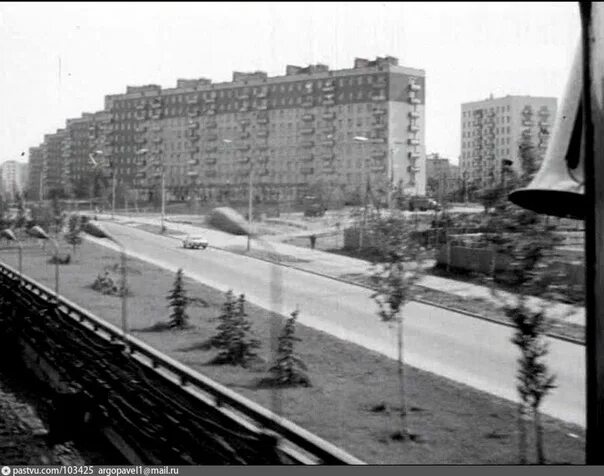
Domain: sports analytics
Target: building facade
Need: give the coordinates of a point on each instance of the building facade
(13, 178)
(348, 131)
(442, 177)
(492, 131)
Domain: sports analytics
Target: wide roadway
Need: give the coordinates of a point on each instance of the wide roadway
(462, 348)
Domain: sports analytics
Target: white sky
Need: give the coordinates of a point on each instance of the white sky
(58, 60)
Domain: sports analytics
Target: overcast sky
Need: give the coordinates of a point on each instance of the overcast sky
(58, 60)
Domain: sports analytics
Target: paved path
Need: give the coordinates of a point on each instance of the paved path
(468, 350)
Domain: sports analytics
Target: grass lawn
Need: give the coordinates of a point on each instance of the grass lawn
(456, 424)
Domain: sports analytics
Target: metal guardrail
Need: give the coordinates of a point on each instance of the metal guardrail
(299, 444)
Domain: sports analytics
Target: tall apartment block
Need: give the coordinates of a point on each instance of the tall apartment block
(13, 178)
(492, 131)
(347, 129)
(291, 131)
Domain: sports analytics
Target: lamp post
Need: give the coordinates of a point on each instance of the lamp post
(10, 235)
(96, 166)
(362, 140)
(250, 197)
(37, 232)
(95, 229)
(139, 152)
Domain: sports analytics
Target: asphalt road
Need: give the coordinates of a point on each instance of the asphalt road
(465, 349)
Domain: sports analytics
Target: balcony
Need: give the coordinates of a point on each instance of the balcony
(262, 146)
(262, 119)
(140, 128)
(414, 87)
(192, 99)
(378, 154)
(193, 150)
(261, 105)
(211, 160)
(192, 173)
(414, 115)
(140, 115)
(414, 100)
(193, 112)
(141, 175)
(193, 162)
(210, 112)
(243, 147)
(307, 143)
(328, 157)
(140, 139)
(328, 143)
(378, 168)
(156, 114)
(544, 124)
(157, 139)
(262, 93)
(307, 130)
(308, 103)
(212, 137)
(193, 125)
(379, 126)
(413, 128)
(328, 87)
(308, 117)
(307, 157)
(262, 133)
(141, 105)
(156, 102)
(244, 122)
(328, 102)
(413, 141)
(528, 123)
(413, 169)
(379, 84)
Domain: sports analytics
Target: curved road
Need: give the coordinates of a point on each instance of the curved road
(456, 346)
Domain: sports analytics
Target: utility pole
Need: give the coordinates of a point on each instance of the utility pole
(250, 200)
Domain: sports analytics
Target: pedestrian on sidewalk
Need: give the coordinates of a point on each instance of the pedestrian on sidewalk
(313, 240)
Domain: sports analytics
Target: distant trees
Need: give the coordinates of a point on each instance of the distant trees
(73, 235)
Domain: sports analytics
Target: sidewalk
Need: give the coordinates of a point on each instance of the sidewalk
(339, 266)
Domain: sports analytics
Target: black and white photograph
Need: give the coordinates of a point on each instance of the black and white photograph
(300, 233)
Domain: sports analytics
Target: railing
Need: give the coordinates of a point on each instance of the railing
(298, 444)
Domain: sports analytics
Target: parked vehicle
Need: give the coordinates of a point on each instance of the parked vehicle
(313, 206)
(423, 204)
(195, 242)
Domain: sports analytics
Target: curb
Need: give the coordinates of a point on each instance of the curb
(553, 335)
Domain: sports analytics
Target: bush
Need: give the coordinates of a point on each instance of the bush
(106, 285)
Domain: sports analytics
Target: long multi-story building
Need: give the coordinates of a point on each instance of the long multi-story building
(492, 131)
(352, 130)
(13, 178)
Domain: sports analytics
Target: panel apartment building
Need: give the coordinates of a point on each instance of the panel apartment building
(13, 178)
(493, 129)
(290, 131)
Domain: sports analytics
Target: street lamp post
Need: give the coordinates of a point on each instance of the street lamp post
(362, 140)
(250, 197)
(38, 232)
(95, 229)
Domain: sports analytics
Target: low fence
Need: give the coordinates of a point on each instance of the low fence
(156, 410)
(485, 260)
